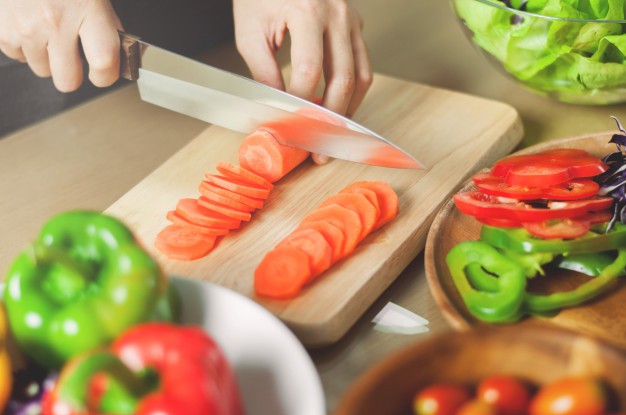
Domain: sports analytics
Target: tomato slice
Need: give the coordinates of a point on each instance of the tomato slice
(569, 190)
(478, 204)
(499, 223)
(568, 228)
(548, 168)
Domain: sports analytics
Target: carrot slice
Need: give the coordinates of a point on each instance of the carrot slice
(282, 273)
(248, 201)
(314, 245)
(346, 219)
(358, 203)
(237, 186)
(387, 199)
(190, 210)
(176, 219)
(332, 233)
(238, 172)
(183, 243)
(369, 194)
(260, 153)
(223, 209)
(216, 197)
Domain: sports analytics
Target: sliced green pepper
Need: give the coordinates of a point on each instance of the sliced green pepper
(501, 303)
(584, 292)
(84, 281)
(591, 263)
(520, 240)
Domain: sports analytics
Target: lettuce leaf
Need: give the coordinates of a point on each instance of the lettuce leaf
(563, 58)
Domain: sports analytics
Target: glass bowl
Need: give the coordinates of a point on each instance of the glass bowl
(552, 48)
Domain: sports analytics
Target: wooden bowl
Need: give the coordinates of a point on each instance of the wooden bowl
(603, 317)
(536, 354)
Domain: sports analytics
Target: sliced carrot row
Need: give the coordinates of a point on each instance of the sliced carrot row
(325, 235)
(227, 199)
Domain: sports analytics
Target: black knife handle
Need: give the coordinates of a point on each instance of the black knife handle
(130, 57)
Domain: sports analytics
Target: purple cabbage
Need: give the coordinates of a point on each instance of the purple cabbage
(613, 181)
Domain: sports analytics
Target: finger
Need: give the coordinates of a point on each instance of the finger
(101, 45)
(363, 71)
(307, 56)
(36, 54)
(13, 52)
(66, 65)
(261, 59)
(320, 158)
(338, 69)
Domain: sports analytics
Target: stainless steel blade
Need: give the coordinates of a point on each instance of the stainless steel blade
(241, 104)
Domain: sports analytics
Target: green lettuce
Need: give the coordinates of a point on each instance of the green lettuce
(573, 60)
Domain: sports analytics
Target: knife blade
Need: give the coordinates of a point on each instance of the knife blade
(235, 102)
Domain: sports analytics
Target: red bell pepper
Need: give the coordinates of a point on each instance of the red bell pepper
(151, 369)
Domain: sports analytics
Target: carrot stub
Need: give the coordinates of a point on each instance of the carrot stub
(183, 243)
(261, 154)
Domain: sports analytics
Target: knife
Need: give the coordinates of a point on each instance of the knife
(232, 101)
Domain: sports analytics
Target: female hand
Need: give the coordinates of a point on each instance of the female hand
(46, 33)
(326, 40)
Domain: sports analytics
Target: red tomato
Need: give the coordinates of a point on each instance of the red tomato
(570, 396)
(548, 167)
(440, 399)
(568, 228)
(571, 190)
(508, 395)
(499, 223)
(478, 204)
(477, 407)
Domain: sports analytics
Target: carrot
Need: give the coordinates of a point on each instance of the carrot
(183, 243)
(332, 233)
(314, 245)
(224, 209)
(216, 197)
(176, 219)
(369, 194)
(346, 219)
(213, 188)
(237, 186)
(358, 203)
(282, 273)
(238, 172)
(190, 210)
(387, 199)
(260, 153)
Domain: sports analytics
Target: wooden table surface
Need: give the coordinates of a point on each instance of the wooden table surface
(90, 156)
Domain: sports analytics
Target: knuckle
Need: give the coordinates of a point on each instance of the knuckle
(104, 61)
(341, 11)
(311, 8)
(307, 71)
(26, 30)
(366, 79)
(52, 18)
(345, 83)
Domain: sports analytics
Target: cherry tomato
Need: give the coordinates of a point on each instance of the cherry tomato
(476, 203)
(507, 394)
(548, 167)
(440, 399)
(571, 190)
(570, 396)
(477, 407)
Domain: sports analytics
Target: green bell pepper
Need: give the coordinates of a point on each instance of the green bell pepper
(84, 281)
(591, 263)
(584, 292)
(520, 240)
(499, 300)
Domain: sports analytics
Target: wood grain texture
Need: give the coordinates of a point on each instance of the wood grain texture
(537, 355)
(603, 317)
(452, 133)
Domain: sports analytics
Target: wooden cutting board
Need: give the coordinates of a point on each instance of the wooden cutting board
(453, 134)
